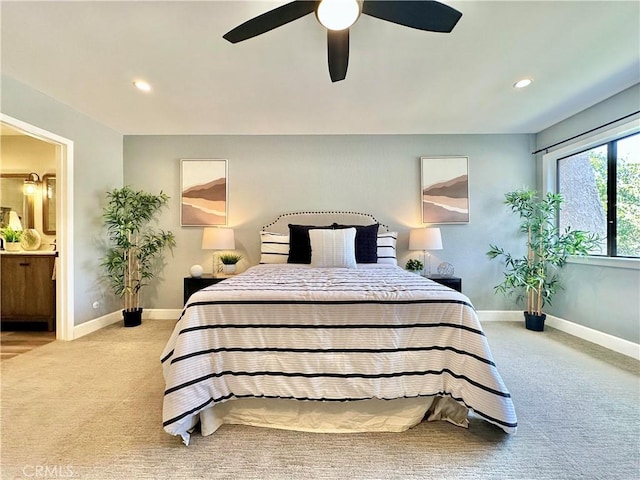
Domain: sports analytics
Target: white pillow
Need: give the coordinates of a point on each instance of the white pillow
(387, 248)
(333, 248)
(274, 247)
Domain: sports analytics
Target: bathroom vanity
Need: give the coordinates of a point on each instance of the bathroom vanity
(28, 287)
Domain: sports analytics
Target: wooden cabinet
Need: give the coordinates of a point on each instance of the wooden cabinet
(28, 288)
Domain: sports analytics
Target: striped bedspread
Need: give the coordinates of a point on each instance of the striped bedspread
(295, 332)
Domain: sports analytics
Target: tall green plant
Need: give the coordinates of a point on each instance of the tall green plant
(135, 245)
(534, 276)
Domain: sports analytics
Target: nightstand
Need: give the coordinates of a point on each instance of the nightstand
(193, 284)
(451, 282)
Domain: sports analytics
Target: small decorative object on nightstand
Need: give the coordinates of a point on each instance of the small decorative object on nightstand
(446, 269)
(193, 284)
(451, 282)
(415, 266)
(229, 261)
(196, 271)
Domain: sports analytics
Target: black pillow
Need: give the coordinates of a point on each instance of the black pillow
(300, 244)
(366, 242)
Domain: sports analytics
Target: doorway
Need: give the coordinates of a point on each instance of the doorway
(63, 220)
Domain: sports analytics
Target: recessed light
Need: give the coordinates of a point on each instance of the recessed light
(525, 82)
(142, 85)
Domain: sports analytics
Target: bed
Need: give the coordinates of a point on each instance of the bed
(320, 337)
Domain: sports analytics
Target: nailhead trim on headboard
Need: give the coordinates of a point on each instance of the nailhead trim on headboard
(290, 214)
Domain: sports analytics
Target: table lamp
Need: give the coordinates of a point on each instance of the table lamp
(425, 239)
(217, 239)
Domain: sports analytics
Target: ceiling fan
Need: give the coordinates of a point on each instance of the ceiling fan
(338, 15)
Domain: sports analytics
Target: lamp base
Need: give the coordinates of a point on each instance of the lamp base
(216, 265)
(426, 260)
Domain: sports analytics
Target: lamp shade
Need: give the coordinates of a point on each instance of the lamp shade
(425, 239)
(14, 220)
(218, 239)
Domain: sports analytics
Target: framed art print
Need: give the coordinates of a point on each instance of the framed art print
(203, 192)
(445, 189)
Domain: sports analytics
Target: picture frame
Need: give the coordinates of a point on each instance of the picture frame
(444, 192)
(204, 192)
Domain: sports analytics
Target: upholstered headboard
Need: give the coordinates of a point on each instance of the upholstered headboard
(281, 224)
(279, 244)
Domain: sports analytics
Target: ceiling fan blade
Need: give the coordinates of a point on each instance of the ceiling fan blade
(272, 19)
(421, 14)
(338, 53)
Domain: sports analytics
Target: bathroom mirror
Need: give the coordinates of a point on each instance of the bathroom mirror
(12, 198)
(49, 204)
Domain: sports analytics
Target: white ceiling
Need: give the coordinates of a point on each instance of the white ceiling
(400, 80)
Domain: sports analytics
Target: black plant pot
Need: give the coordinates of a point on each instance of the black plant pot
(132, 318)
(534, 322)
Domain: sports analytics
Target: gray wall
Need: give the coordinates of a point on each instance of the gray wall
(269, 175)
(97, 168)
(274, 174)
(603, 298)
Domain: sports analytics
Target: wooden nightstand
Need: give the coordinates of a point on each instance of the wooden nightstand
(451, 282)
(193, 284)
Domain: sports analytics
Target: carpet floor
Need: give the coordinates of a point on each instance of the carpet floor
(91, 409)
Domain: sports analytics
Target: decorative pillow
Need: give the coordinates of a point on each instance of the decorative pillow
(299, 244)
(274, 247)
(366, 242)
(333, 248)
(387, 248)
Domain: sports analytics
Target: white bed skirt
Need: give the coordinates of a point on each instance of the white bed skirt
(332, 417)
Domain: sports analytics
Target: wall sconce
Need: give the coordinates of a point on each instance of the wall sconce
(31, 183)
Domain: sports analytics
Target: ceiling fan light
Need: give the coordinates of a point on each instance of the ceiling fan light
(338, 14)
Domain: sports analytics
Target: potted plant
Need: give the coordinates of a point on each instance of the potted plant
(229, 261)
(535, 276)
(132, 259)
(414, 266)
(11, 238)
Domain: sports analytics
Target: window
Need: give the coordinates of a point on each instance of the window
(601, 189)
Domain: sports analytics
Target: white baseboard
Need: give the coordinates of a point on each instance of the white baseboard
(113, 317)
(605, 340)
(96, 324)
(625, 347)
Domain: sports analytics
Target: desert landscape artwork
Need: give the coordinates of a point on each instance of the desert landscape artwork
(445, 190)
(203, 193)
